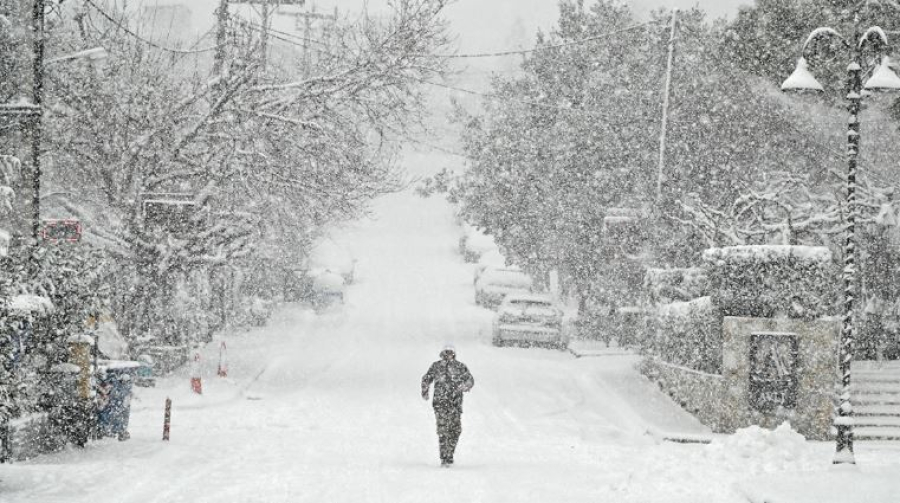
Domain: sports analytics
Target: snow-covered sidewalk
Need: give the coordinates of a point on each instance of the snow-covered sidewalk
(326, 408)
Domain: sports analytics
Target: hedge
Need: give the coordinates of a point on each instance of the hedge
(769, 281)
(662, 286)
(688, 334)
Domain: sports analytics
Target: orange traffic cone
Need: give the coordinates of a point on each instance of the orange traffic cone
(223, 360)
(196, 385)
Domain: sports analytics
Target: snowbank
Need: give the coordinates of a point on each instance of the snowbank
(844, 483)
(765, 450)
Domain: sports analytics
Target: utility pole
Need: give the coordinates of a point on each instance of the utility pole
(37, 98)
(264, 37)
(221, 37)
(665, 114)
(307, 19)
(264, 30)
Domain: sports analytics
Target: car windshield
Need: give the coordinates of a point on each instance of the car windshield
(525, 304)
(509, 279)
(532, 307)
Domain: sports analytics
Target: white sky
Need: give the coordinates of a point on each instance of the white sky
(481, 25)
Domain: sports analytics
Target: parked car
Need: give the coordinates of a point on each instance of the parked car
(529, 319)
(494, 283)
(328, 255)
(491, 258)
(258, 310)
(475, 243)
(327, 289)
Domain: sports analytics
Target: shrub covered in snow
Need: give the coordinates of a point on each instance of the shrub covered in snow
(779, 449)
(688, 334)
(662, 286)
(769, 281)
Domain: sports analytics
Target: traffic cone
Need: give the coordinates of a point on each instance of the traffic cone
(223, 361)
(196, 385)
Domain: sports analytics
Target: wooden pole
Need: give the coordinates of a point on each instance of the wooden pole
(167, 420)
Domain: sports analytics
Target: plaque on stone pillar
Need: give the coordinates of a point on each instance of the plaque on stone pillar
(773, 371)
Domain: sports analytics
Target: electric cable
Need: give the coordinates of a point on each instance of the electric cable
(538, 48)
(144, 40)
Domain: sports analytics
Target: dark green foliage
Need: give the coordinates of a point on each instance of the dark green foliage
(768, 281)
(687, 334)
(766, 39)
(662, 286)
(75, 279)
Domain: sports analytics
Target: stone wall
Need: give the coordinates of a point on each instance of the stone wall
(697, 392)
(815, 368)
(725, 402)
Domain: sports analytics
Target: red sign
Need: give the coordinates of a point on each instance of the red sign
(61, 230)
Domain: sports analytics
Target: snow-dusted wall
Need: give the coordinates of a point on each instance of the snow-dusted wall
(697, 392)
(815, 367)
(726, 402)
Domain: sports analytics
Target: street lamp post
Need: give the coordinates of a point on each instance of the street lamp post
(881, 79)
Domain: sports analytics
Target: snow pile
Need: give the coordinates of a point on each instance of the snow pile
(760, 450)
(769, 252)
(28, 303)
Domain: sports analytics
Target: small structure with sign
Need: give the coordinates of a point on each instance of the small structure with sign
(61, 231)
(776, 370)
(773, 371)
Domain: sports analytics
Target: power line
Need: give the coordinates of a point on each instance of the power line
(297, 40)
(142, 39)
(538, 48)
(498, 97)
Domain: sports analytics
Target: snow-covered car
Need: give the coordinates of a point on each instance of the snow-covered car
(327, 289)
(475, 243)
(495, 283)
(332, 257)
(491, 258)
(258, 310)
(529, 319)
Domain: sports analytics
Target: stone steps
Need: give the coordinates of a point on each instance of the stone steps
(876, 401)
(865, 409)
(876, 433)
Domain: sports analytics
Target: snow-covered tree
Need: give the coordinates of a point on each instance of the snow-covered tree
(266, 156)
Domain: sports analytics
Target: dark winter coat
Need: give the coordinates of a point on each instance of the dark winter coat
(451, 378)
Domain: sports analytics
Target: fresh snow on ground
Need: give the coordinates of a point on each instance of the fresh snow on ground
(325, 408)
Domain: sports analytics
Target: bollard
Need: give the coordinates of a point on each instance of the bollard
(80, 355)
(196, 385)
(223, 361)
(168, 419)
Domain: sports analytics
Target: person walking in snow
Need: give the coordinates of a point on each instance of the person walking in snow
(451, 379)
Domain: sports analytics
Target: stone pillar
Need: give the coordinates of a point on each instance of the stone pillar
(812, 366)
(80, 355)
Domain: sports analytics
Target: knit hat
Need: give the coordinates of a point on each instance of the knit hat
(448, 348)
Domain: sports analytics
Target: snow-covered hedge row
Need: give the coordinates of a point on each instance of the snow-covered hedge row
(688, 334)
(662, 286)
(769, 281)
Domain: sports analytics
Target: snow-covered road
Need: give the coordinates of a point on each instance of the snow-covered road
(326, 408)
